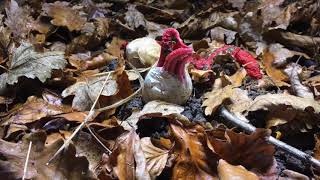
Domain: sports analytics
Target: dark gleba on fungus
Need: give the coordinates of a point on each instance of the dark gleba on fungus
(168, 80)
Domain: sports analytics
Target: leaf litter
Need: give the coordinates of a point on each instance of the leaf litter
(260, 60)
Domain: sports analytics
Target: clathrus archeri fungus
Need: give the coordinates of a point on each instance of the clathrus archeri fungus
(168, 80)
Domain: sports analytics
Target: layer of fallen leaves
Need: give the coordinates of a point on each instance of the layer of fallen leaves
(55, 57)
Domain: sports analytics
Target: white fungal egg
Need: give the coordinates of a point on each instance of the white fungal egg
(160, 85)
(143, 52)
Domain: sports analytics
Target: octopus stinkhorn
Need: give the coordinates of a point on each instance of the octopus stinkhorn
(168, 80)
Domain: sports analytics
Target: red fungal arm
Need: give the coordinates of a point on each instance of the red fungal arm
(170, 41)
(241, 56)
(175, 62)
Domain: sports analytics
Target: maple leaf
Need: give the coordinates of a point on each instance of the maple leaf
(18, 19)
(29, 63)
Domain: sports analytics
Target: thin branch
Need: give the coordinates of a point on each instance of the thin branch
(25, 169)
(249, 128)
(88, 117)
(97, 139)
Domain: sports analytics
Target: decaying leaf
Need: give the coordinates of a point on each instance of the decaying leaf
(127, 159)
(27, 62)
(236, 79)
(194, 158)
(67, 166)
(227, 171)
(301, 113)
(276, 53)
(251, 151)
(18, 19)
(200, 75)
(235, 99)
(135, 19)
(215, 98)
(87, 90)
(63, 15)
(160, 108)
(156, 157)
(34, 109)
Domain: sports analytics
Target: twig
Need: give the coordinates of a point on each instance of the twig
(90, 114)
(249, 128)
(25, 169)
(92, 111)
(97, 139)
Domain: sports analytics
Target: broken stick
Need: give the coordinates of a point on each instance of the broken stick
(250, 128)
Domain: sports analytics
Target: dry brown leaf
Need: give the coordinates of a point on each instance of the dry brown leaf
(194, 158)
(86, 89)
(200, 75)
(115, 47)
(200, 22)
(161, 108)
(159, 15)
(127, 159)
(135, 19)
(215, 98)
(34, 109)
(251, 151)
(236, 79)
(300, 113)
(63, 15)
(84, 61)
(67, 166)
(18, 19)
(292, 175)
(222, 35)
(314, 84)
(15, 130)
(235, 99)
(156, 157)
(227, 171)
(276, 53)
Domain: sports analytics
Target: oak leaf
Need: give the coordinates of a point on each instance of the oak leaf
(155, 156)
(63, 15)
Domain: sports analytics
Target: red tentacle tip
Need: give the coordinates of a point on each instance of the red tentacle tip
(175, 62)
